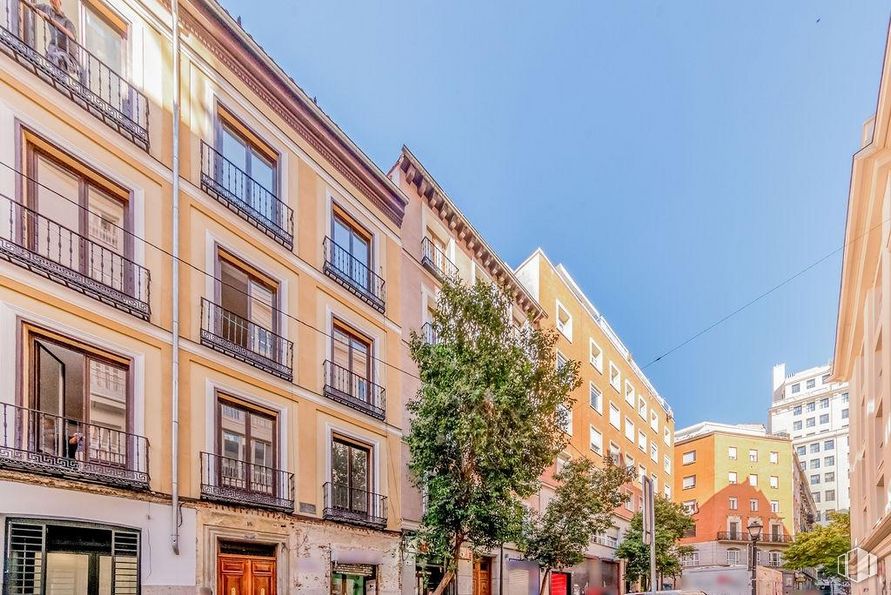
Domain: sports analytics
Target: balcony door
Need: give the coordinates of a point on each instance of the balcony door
(76, 222)
(352, 251)
(249, 301)
(351, 354)
(80, 404)
(245, 154)
(350, 476)
(247, 445)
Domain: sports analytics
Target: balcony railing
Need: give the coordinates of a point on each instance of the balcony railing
(436, 261)
(246, 341)
(353, 274)
(29, 35)
(239, 192)
(744, 536)
(350, 505)
(354, 390)
(43, 246)
(232, 481)
(48, 444)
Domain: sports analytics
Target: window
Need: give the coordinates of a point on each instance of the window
(351, 254)
(815, 479)
(246, 438)
(844, 414)
(810, 422)
(565, 414)
(59, 557)
(615, 378)
(629, 393)
(810, 407)
(825, 379)
(688, 458)
(642, 406)
(564, 321)
(814, 448)
(642, 440)
(811, 383)
(774, 506)
(732, 503)
(802, 450)
(817, 496)
(816, 512)
(829, 477)
(774, 457)
(666, 463)
(629, 429)
(796, 425)
(774, 558)
(561, 360)
(796, 410)
(774, 481)
(666, 436)
(731, 477)
(243, 152)
(351, 354)
(249, 300)
(829, 461)
(824, 403)
(815, 463)
(654, 420)
(732, 556)
(629, 461)
(753, 505)
(350, 476)
(667, 491)
(614, 416)
(615, 453)
(830, 495)
(829, 445)
(654, 452)
(824, 419)
(796, 388)
(595, 355)
(595, 398)
(753, 456)
(731, 453)
(753, 479)
(690, 559)
(689, 482)
(844, 397)
(596, 440)
(689, 506)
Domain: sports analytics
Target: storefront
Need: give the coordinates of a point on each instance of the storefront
(353, 579)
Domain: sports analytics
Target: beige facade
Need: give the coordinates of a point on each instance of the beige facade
(864, 318)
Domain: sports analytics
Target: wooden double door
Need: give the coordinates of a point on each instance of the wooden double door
(245, 575)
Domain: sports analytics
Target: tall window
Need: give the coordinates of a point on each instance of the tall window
(249, 299)
(351, 353)
(350, 475)
(244, 152)
(595, 398)
(246, 439)
(81, 399)
(352, 250)
(732, 556)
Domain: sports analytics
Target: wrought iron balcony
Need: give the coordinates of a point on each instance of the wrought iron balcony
(246, 341)
(240, 193)
(768, 538)
(43, 246)
(429, 333)
(354, 390)
(48, 444)
(359, 507)
(232, 481)
(353, 274)
(436, 261)
(733, 536)
(29, 36)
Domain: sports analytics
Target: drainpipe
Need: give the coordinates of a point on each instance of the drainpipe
(174, 365)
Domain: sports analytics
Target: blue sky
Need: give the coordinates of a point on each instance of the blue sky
(679, 158)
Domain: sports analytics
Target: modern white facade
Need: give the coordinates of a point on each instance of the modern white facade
(813, 411)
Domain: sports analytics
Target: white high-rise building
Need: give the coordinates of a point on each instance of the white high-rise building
(813, 410)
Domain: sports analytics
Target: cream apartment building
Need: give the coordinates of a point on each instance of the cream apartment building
(247, 436)
(864, 318)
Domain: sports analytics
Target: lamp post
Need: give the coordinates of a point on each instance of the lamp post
(755, 534)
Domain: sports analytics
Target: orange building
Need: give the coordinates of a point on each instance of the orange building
(729, 476)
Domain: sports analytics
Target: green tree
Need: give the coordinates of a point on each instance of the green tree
(486, 421)
(672, 522)
(821, 547)
(582, 507)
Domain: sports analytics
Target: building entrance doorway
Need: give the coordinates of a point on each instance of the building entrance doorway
(245, 575)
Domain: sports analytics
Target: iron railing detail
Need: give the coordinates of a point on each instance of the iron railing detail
(354, 390)
(769, 538)
(246, 197)
(39, 244)
(228, 480)
(351, 505)
(246, 341)
(40, 442)
(29, 35)
(353, 274)
(436, 261)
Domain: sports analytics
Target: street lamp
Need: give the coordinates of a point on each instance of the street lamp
(755, 534)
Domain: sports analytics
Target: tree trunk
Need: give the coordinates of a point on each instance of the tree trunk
(544, 580)
(446, 578)
(450, 573)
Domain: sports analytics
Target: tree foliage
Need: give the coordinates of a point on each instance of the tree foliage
(582, 507)
(672, 522)
(821, 547)
(486, 421)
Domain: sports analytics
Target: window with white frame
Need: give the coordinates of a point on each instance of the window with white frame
(629, 461)
(688, 458)
(690, 559)
(774, 506)
(689, 506)
(654, 452)
(615, 453)
(615, 378)
(642, 440)
(774, 457)
(753, 479)
(732, 503)
(774, 481)
(561, 360)
(731, 477)
(629, 429)
(753, 455)
(564, 321)
(666, 436)
(689, 482)
(666, 463)
(753, 505)
(733, 556)
(731, 453)
(596, 439)
(629, 393)
(595, 398)
(615, 417)
(654, 420)
(642, 406)
(667, 491)
(595, 355)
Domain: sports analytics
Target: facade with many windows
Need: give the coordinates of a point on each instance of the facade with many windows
(284, 452)
(813, 410)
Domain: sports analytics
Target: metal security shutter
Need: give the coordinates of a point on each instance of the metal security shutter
(24, 558)
(125, 549)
